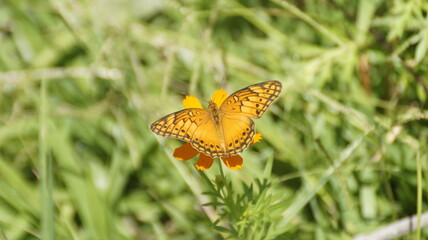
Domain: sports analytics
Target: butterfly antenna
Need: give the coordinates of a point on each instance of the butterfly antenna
(185, 93)
(203, 100)
(223, 67)
(222, 82)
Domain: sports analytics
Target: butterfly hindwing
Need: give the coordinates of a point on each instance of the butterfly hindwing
(180, 125)
(206, 140)
(238, 133)
(253, 100)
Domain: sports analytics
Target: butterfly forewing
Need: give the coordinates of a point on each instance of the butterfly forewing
(253, 100)
(180, 125)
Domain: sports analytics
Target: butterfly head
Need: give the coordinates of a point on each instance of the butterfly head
(212, 105)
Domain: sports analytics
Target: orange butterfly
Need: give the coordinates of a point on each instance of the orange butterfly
(224, 130)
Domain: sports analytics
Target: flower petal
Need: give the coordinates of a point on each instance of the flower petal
(185, 152)
(256, 138)
(191, 102)
(204, 162)
(219, 96)
(233, 162)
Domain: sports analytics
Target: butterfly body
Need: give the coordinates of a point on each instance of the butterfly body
(217, 116)
(225, 130)
(215, 111)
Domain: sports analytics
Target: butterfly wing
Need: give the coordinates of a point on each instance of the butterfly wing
(253, 100)
(192, 125)
(182, 124)
(238, 133)
(239, 108)
(207, 140)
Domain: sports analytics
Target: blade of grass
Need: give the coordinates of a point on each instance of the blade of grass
(419, 194)
(46, 178)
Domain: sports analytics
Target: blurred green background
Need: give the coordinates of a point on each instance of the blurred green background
(344, 149)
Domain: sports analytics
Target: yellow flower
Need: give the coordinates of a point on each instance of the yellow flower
(204, 162)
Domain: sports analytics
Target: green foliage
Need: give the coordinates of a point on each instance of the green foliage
(251, 214)
(344, 147)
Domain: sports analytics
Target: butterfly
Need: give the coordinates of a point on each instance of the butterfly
(225, 130)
